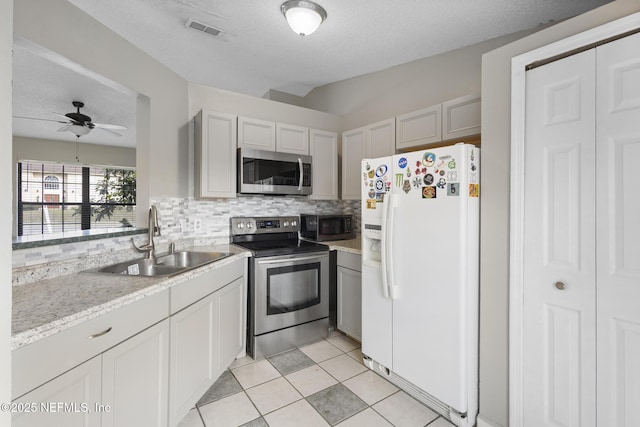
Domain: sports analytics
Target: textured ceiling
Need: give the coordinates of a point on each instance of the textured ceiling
(257, 51)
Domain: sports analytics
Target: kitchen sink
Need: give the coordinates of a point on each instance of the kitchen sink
(164, 265)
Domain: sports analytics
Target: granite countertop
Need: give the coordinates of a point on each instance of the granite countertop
(353, 246)
(43, 308)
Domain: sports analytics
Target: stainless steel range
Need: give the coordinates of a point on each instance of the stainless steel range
(288, 300)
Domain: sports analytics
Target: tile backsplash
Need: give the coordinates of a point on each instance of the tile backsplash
(186, 221)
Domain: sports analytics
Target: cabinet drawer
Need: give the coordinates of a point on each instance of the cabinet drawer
(37, 363)
(190, 291)
(349, 260)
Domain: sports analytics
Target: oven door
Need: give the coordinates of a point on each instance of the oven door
(290, 290)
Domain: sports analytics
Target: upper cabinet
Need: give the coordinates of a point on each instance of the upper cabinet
(215, 155)
(451, 120)
(381, 138)
(461, 117)
(323, 147)
(271, 136)
(292, 139)
(375, 140)
(419, 127)
(256, 134)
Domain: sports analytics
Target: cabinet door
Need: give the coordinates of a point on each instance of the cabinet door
(135, 379)
(419, 127)
(215, 155)
(353, 151)
(191, 370)
(78, 388)
(461, 117)
(323, 147)
(381, 139)
(229, 324)
(350, 302)
(256, 134)
(292, 139)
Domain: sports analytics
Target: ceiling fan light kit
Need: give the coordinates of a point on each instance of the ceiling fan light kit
(304, 17)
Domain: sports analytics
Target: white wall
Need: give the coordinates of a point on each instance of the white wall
(163, 146)
(496, 140)
(404, 88)
(65, 152)
(6, 46)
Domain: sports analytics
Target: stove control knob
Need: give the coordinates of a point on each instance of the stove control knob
(250, 225)
(294, 223)
(241, 225)
(286, 223)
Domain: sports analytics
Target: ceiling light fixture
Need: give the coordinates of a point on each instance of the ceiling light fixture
(304, 17)
(78, 130)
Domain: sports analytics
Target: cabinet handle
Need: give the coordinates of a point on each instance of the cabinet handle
(561, 286)
(99, 334)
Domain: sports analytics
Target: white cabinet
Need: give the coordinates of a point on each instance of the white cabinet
(461, 117)
(349, 299)
(215, 155)
(451, 120)
(323, 147)
(125, 386)
(419, 127)
(135, 380)
(206, 336)
(375, 140)
(292, 139)
(80, 385)
(256, 134)
(381, 139)
(353, 151)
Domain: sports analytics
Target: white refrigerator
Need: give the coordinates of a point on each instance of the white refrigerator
(420, 279)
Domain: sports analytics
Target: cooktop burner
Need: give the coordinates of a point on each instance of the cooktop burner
(271, 236)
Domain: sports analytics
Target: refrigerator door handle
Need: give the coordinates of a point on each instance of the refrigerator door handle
(383, 246)
(392, 288)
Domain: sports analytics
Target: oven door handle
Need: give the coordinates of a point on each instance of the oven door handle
(293, 258)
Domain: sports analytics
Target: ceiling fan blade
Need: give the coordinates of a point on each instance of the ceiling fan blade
(36, 118)
(108, 130)
(108, 126)
(61, 115)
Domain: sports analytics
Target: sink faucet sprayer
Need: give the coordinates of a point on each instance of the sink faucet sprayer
(154, 230)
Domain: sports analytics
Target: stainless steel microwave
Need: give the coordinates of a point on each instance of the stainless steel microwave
(326, 227)
(268, 172)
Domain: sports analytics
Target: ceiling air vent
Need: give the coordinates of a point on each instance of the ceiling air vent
(202, 27)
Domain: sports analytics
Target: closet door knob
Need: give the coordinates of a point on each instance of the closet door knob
(561, 286)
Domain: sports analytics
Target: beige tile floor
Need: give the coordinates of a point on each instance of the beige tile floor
(322, 384)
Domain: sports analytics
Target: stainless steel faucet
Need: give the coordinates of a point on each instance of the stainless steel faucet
(154, 230)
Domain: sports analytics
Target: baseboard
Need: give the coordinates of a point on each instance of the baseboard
(483, 422)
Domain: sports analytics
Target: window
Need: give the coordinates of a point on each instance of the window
(54, 198)
(51, 182)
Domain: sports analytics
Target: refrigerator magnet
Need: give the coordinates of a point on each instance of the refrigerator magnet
(428, 159)
(453, 189)
(474, 190)
(428, 192)
(402, 162)
(381, 170)
(428, 179)
(406, 187)
(371, 203)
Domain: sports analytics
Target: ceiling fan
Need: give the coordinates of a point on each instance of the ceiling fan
(80, 124)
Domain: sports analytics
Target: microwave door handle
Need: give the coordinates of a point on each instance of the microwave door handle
(300, 182)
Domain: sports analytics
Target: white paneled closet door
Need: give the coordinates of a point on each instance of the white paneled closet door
(618, 213)
(559, 343)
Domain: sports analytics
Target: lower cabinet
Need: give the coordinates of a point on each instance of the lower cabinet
(349, 288)
(135, 384)
(205, 339)
(77, 387)
(125, 386)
